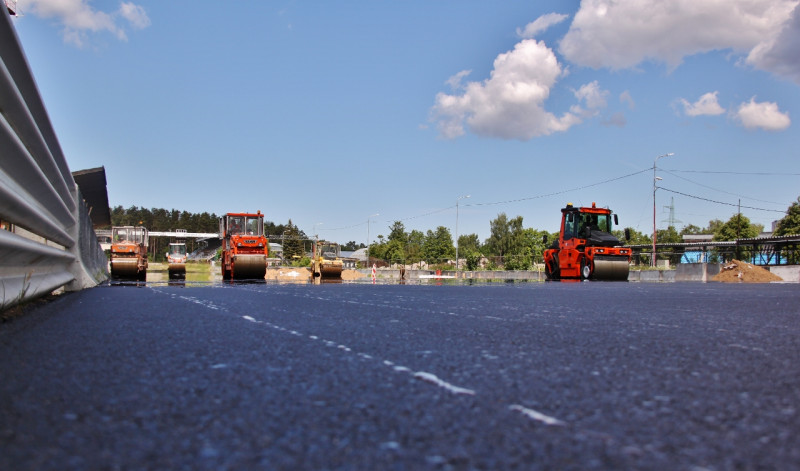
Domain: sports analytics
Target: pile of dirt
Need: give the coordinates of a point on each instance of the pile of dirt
(303, 275)
(743, 272)
(349, 275)
(288, 274)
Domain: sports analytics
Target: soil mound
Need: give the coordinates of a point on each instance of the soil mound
(352, 275)
(303, 275)
(743, 272)
(289, 274)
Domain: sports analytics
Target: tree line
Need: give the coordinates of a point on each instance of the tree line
(168, 220)
(510, 245)
(515, 247)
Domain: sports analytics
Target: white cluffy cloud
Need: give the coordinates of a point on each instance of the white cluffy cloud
(79, 18)
(510, 104)
(540, 24)
(620, 34)
(707, 105)
(764, 115)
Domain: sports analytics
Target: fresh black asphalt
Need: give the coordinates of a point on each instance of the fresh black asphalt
(499, 376)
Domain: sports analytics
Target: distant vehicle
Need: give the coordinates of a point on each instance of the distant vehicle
(176, 257)
(129, 252)
(326, 263)
(244, 246)
(585, 248)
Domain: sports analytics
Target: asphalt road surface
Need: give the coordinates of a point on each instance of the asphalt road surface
(371, 377)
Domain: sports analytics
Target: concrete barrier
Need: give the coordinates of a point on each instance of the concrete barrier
(787, 272)
(691, 272)
(696, 271)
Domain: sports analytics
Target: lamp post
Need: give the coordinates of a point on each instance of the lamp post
(374, 215)
(655, 178)
(457, 200)
(316, 233)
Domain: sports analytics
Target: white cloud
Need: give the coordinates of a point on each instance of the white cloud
(594, 98)
(455, 80)
(510, 104)
(135, 15)
(79, 18)
(540, 24)
(707, 105)
(625, 97)
(620, 34)
(764, 115)
(781, 55)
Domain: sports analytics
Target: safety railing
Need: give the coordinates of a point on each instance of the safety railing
(46, 239)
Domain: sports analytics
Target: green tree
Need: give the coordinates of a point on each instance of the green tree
(293, 249)
(414, 246)
(353, 246)
(506, 236)
(790, 224)
(668, 236)
(397, 232)
(713, 226)
(438, 246)
(473, 259)
(499, 236)
(737, 227)
(395, 252)
(691, 229)
(468, 243)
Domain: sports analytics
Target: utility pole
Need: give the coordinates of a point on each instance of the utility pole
(655, 178)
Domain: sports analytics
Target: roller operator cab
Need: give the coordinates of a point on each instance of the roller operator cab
(586, 248)
(129, 252)
(176, 257)
(244, 246)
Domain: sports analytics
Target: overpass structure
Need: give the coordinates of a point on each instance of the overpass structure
(771, 250)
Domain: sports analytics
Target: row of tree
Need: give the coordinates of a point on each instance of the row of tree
(509, 244)
(517, 248)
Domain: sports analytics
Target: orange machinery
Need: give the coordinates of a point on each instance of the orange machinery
(129, 252)
(585, 248)
(244, 246)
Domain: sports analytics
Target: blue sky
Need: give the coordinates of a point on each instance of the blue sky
(327, 113)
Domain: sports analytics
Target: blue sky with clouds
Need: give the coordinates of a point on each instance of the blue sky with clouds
(327, 113)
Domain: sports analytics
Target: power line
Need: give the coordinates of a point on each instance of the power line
(719, 202)
(562, 191)
(721, 191)
(736, 173)
(502, 202)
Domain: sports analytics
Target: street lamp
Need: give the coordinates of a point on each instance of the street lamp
(457, 200)
(374, 215)
(655, 178)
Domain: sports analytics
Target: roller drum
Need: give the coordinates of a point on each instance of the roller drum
(611, 269)
(177, 268)
(125, 267)
(329, 269)
(249, 266)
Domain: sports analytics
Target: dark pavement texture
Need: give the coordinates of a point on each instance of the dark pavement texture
(357, 376)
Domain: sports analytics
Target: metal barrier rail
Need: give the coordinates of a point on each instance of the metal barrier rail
(56, 245)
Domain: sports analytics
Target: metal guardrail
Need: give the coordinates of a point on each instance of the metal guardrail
(52, 244)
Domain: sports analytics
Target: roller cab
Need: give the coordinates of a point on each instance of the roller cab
(176, 258)
(129, 252)
(244, 246)
(586, 248)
